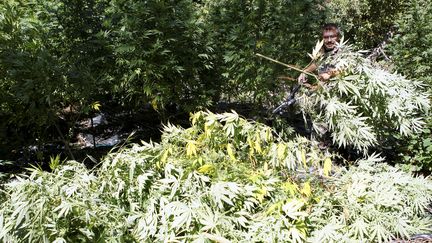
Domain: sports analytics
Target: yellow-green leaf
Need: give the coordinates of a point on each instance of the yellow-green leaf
(191, 148)
(259, 44)
(274, 207)
(206, 169)
(230, 152)
(269, 135)
(255, 177)
(154, 104)
(327, 166)
(291, 188)
(195, 117)
(261, 193)
(164, 156)
(257, 144)
(251, 153)
(306, 190)
(265, 166)
(207, 130)
(303, 157)
(281, 151)
(251, 143)
(96, 106)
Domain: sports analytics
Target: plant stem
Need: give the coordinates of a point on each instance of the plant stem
(288, 66)
(66, 143)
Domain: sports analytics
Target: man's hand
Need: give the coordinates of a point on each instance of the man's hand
(303, 81)
(302, 78)
(324, 76)
(328, 75)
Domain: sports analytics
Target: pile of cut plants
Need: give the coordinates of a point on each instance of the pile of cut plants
(224, 179)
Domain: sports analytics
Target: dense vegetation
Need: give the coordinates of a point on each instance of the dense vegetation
(411, 52)
(58, 54)
(224, 178)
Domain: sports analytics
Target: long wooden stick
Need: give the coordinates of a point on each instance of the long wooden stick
(288, 66)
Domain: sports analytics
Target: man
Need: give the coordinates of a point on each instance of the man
(331, 37)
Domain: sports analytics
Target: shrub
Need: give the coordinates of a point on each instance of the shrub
(365, 22)
(411, 52)
(417, 150)
(411, 48)
(52, 55)
(29, 84)
(239, 29)
(161, 54)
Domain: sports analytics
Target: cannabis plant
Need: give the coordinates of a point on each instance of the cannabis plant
(223, 179)
(364, 102)
(373, 202)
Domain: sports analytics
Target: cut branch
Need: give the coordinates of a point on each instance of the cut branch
(288, 66)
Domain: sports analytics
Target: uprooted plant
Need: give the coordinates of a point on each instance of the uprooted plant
(223, 179)
(364, 102)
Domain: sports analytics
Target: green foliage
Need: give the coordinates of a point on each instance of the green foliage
(79, 39)
(52, 55)
(161, 53)
(28, 80)
(411, 52)
(239, 29)
(223, 179)
(365, 22)
(58, 54)
(373, 202)
(411, 48)
(417, 150)
(365, 103)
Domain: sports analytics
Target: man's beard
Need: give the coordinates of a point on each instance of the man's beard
(326, 49)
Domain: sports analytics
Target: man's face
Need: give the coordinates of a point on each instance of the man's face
(330, 39)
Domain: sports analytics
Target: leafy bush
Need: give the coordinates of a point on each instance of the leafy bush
(161, 54)
(222, 179)
(52, 55)
(411, 49)
(411, 53)
(28, 82)
(239, 29)
(417, 150)
(365, 103)
(61, 55)
(365, 22)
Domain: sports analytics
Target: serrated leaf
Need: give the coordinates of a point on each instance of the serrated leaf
(164, 156)
(281, 151)
(327, 166)
(306, 190)
(303, 157)
(291, 188)
(96, 106)
(257, 144)
(230, 152)
(206, 169)
(191, 149)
